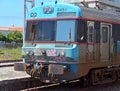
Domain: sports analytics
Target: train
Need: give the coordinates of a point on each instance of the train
(66, 42)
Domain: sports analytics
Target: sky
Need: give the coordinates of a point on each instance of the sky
(12, 12)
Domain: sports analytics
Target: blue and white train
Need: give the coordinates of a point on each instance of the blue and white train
(65, 42)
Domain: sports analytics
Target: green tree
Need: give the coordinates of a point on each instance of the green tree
(15, 36)
(10, 37)
(2, 37)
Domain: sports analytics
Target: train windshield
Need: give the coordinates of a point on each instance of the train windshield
(60, 30)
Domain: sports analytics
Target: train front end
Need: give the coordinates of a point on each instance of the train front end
(50, 50)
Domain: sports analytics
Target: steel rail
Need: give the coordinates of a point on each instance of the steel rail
(8, 63)
(41, 87)
(5, 61)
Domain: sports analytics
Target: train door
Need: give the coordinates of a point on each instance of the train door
(106, 34)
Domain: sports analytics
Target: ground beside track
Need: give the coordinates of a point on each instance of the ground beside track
(11, 80)
(9, 73)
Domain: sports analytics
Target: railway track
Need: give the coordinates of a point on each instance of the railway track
(7, 63)
(53, 85)
(18, 83)
(76, 87)
(41, 87)
(71, 86)
(30, 84)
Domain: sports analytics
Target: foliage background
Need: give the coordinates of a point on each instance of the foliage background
(15, 36)
(8, 48)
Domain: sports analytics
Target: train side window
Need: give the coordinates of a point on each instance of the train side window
(104, 34)
(81, 31)
(90, 31)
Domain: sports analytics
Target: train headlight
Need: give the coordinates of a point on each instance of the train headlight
(27, 51)
(62, 53)
(45, 9)
(48, 9)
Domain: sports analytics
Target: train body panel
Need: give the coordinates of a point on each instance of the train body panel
(57, 10)
(100, 15)
(66, 41)
(71, 51)
(62, 55)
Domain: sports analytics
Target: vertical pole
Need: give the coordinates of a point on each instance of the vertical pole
(24, 21)
(33, 3)
(25, 10)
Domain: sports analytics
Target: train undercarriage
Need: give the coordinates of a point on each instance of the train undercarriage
(94, 76)
(51, 73)
(101, 76)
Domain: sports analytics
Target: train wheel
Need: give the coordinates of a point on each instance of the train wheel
(96, 77)
(105, 75)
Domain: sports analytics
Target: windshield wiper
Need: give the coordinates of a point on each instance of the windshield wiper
(33, 30)
(69, 37)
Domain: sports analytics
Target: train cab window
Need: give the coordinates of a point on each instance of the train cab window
(37, 31)
(90, 31)
(66, 30)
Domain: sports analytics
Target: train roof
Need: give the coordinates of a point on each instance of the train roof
(106, 15)
(84, 12)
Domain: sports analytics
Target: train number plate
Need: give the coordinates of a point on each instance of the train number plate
(56, 69)
(51, 52)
